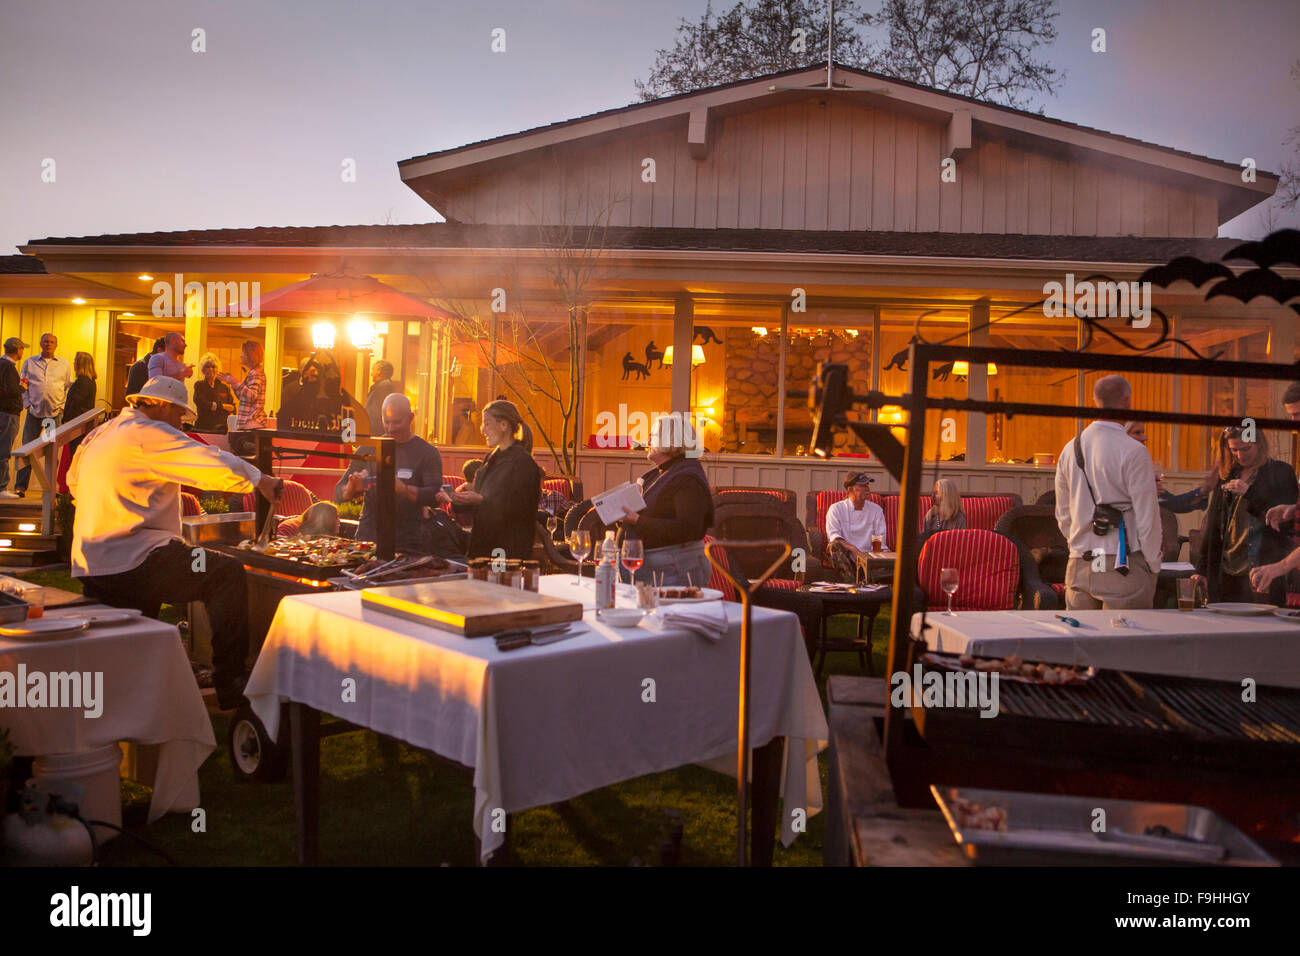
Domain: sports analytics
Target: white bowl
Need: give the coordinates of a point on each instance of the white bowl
(620, 616)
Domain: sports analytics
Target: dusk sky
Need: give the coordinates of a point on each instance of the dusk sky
(148, 135)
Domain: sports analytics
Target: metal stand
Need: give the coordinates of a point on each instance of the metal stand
(385, 486)
(742, 731)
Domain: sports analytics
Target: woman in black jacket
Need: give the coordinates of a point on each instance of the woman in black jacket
(81, 395)
(1237, 537)
(506, 488)
(678, 508)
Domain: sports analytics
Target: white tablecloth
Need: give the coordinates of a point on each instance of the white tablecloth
(1188, 643)
(545, 724)
(149, 696)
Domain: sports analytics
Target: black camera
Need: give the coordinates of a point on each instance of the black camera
(1106, 518)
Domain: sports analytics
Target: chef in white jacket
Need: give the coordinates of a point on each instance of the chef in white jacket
(127, 547)
(852, 523)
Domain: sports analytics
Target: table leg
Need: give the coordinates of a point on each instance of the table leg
(304, 727)
(765, 795)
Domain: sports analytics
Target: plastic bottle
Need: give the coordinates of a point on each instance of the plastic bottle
(605, 572)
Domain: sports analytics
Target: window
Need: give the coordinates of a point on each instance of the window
(629, 374)
(826, 335)
(945, 429)
(1023, 439)
(1236, 340)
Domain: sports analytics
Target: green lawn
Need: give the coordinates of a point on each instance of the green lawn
(384, 803)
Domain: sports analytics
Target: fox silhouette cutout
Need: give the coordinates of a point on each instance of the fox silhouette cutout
(652, 353)
(632, 365)
(899, 361)
(705, 335)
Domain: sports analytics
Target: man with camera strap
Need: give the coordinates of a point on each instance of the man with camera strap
(1107, 509)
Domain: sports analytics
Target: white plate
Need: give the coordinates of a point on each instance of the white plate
(620, 616)
(1287, 614)
(43, 628)
(99, 617)
(1241, 609)
(706, 594)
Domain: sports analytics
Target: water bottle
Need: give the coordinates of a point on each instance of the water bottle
(605, 572)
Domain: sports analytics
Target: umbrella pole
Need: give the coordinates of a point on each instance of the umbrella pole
(744, 757)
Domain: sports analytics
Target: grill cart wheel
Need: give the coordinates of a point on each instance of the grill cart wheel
(253, 754)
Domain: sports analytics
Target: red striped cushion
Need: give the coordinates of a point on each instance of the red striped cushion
(988, 570)
(1292, 600)
(1059, 588)
(295, 500)
(719, 581)
(190, 507)
(891, 518)
(289, 527)
(782, 584)
(985, 512)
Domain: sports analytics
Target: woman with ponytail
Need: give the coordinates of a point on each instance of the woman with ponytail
(506, 488)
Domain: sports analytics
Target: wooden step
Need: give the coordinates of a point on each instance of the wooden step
(27, 542)
(21, 524)
(27, 557)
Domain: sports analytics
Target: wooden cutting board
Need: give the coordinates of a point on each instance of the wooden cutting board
(469, 607)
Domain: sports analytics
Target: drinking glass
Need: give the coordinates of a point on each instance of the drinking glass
(580, 545)
(633, 557)
(551, 524)
(948, 582)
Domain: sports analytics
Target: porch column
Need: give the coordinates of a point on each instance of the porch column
(196, 337)
(272, 357)
(683, 337)
(977, 386)
(426, 404)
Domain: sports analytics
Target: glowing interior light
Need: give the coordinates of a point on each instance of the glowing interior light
(5, 543)
(322, 335)
(961, 368)
(27, 526)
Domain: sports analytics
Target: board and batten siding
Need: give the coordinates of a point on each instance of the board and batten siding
(839, 166)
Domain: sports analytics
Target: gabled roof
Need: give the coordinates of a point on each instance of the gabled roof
(418, 171)
(682, 98)
(445, 235)
(21, 265)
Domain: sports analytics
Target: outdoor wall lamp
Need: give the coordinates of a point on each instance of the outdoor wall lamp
(362, 333)
(322, 335)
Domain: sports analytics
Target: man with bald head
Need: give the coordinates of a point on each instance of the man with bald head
(1112, 566)
(419, 478)
(171, 360)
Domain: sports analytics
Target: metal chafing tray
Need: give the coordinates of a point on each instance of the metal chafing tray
(1052, 830)
(219, 529)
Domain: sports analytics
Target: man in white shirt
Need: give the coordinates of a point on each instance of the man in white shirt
(1119, 472)
(171, 360)
(127, 547)
(852, 523)
(47, 379)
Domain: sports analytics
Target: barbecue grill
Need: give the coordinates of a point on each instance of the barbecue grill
(1158, 718)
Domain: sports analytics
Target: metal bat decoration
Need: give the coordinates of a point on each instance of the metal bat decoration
(1281, 247)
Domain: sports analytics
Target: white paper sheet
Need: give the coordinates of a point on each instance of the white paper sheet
(609, 504)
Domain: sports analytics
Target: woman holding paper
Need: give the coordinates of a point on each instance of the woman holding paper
(678, 508)
(506, 488)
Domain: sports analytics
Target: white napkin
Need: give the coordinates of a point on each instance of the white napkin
(708, 619)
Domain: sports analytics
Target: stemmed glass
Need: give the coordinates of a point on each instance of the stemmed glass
(551, 524)
(633, 557)
(580, 545)
(948, 583)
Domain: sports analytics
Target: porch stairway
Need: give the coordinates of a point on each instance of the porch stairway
(22, 545)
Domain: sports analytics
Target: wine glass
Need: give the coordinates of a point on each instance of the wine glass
(948, 582)
(580, 545)
(633, 557)
(551, 524)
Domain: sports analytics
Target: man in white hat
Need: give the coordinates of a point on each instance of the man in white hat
(127, 547)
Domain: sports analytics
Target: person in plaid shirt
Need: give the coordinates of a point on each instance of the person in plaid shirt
(251, 393)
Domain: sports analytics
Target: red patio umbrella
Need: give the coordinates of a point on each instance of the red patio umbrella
(343, 293)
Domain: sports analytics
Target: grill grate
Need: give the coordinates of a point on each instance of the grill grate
(1210, 709)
